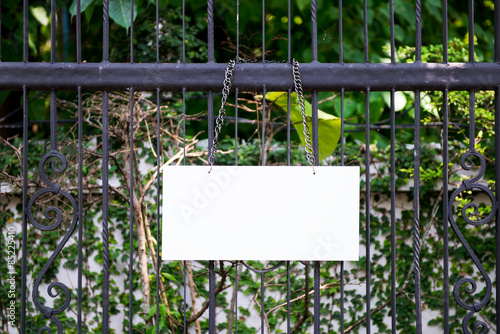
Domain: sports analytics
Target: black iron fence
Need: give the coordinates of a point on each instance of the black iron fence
(335, 76)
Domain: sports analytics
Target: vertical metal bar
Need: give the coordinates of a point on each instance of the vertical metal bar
(105, 187)
(24, 239)
(158, 194)
(341, 35)
(237, 31)
(236, 99)
(393, 42)
(314, 30)
(365, 28)
(264, 125)
(25, 37)
(289, 26)
(416, 214)
(289, 31)
(446, 295)
(0, 30)
(25, 173)
(157, 32)
(314, 122)
(497, 187)
(210, 101)
(78, 33)
(315, 142)
(472, 125)
(105, 31)
(53, 121)
(418, 30)
(183, 31)
(236, 300)
(184, 123)
(393, 213)
(471, 30)
(211, 297)
(262, 302)
(236, 127)
(105, 232)
(52, 31)
(131, 218)
(80, 205)
(131, 31)
(342, 282)
(288, 296)
(342, 297)
(445, 31)
(367, 211)
(263, 32)
(210, 107)
(210, 17)
(158, 154)
(184, 277)
(342, 126)
(288, 127)
(497, 38)
(317, 295)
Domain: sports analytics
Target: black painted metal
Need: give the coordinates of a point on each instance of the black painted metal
(211, 297)
(80, 211)
(317, 299)
(105, 213)
(446, 273)
(367, 213)
(467, 163)
(158, 205)
(24, 240)
(54, 214)
(276, 76)
(393, 214)
(131, 216)
(264, 77)
(416, 214)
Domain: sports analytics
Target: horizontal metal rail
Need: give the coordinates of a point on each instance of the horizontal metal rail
(276, 76)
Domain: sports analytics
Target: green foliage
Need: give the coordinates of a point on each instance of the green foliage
(41, 244)
(328, 125)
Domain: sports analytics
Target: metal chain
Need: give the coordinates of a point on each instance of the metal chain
(297, 81)
(228, 79)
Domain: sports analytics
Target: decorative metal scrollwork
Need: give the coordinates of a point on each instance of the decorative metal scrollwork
(52, 213)
(467, 185)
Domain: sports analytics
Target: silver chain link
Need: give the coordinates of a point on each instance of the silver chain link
(228, 79)
(297, 82)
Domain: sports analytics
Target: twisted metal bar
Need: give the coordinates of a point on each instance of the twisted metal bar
(52, 213)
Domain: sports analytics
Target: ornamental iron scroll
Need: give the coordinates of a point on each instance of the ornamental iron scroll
(468, 185)
(52, 213)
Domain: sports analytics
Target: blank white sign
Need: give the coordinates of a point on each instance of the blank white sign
(260, 213)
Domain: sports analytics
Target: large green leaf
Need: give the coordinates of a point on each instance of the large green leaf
(328, 125)
(119, 11)
(83, 5)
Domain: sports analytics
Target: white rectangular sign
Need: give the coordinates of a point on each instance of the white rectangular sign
(260, 213)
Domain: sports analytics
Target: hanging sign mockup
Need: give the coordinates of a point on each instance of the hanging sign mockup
(260, 213)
